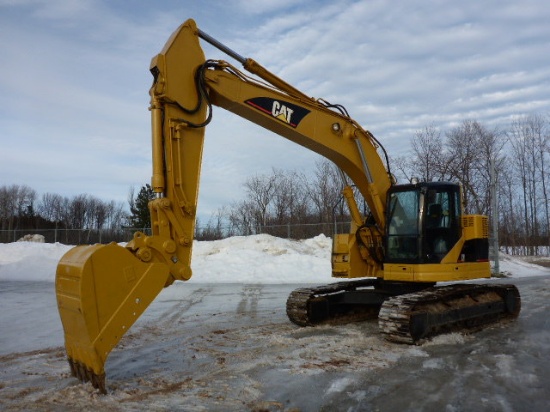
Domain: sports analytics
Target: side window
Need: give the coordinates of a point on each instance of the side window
(440, 210)
(442, 224)
(458, 207)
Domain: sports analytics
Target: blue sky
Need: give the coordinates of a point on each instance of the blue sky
(74, 80)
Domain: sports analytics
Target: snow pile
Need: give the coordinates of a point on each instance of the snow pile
(30, 260)
(262, 259)
(241, 259)
(33, 238)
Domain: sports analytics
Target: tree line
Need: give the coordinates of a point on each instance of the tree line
(281, 198)
(465, 153)
(22, 208)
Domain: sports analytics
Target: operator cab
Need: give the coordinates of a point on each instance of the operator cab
(423, 222)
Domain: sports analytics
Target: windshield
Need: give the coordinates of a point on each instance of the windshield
(404, 207)
(403, 221)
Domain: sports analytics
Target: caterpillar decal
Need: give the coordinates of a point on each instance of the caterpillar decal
(286, 112)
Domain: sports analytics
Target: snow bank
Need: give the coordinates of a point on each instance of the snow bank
(30, 260)
(241, 259)
(262, 259)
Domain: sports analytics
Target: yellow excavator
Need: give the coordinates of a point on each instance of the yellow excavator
(412, 237)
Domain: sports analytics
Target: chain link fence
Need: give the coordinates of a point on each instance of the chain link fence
(125, 234)
(303, 231)
(72, 236)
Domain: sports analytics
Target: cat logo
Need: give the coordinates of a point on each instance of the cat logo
(285, 112)
(281, 112)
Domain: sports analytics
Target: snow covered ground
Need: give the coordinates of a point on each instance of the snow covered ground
(222, 342)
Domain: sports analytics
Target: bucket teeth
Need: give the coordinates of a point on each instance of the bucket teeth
(98, 382)
(73, 367)
(84, 374)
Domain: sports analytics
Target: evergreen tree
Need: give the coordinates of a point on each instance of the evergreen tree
(140, 217)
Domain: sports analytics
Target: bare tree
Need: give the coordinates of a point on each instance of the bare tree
(325, 190)
(16, 201)
(5, 209)
(290, 202)
(529, 139)
(401, 167)
(540, 132)
(214, 229)
(282, 195)
(116, 215)
(78, 206)
(471, 147)
(428, 160)
(259, 191)
(242, 217)
(50, 207)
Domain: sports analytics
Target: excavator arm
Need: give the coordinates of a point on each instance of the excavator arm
(103, 289)
(184, 89)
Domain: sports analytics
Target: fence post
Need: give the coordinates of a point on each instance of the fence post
(494, 216)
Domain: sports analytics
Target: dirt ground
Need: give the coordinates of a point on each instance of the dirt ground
(231, 347)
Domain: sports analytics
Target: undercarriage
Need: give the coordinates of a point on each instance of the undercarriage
(407, 312)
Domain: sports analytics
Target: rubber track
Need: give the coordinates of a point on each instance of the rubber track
(297, 304)
(395, 315)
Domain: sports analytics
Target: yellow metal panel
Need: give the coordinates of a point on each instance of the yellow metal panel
(347, 261)
(475, 227)
(436, 272)
(340, 256)
(398, 272)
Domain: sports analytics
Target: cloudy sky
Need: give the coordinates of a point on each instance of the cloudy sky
(74, 80)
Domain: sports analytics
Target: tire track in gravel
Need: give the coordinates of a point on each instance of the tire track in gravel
(59, 351)
(173, 312)
(250, 295)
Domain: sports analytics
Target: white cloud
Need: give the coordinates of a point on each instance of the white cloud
(65, 10)
(266, 6)
(74, 80)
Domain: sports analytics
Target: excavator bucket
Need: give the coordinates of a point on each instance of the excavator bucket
(101, 291)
